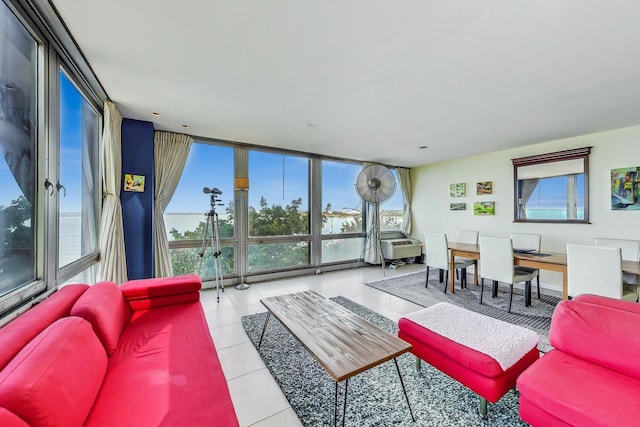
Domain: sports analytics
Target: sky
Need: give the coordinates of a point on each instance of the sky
(212, 166)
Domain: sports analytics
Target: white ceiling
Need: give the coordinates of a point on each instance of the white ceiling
(368, 79)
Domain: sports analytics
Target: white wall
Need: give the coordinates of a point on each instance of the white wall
(611, 150)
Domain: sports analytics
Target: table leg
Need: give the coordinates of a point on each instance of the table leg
(335, 407)
(344, 407)
(475, 272)
(452, 271)
(403, 389)
(264, 327)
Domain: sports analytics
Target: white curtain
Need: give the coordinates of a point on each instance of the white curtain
(404, 176)
(113, 263)
(89, 217)
(170, 152)
(371, 253)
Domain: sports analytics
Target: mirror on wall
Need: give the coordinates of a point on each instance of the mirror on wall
(552, 187)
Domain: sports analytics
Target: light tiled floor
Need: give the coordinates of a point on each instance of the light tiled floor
(256, 396)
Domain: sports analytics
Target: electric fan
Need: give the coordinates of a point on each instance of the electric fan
(375, 184)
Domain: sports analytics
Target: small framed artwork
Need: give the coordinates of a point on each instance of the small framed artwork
(485, 187)
(458, 206)
(133, 183)
(458, 190)
(484, 208)
(625, 189)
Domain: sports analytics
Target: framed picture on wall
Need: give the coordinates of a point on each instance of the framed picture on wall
(458, 206)
(458, 190)
(484, 208)
(133, 182)
(625, 189)
(485, 187)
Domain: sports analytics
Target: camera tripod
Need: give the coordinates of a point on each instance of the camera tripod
(212, 227)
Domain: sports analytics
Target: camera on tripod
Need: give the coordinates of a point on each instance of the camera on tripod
(215, 199)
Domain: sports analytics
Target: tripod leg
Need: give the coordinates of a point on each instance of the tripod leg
(204, 242)
(215, 246)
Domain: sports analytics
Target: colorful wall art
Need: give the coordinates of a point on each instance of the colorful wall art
(458, 190)
(625, 189)
(484, 208)
(485, 187)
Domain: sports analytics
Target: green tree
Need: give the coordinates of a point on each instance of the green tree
(274, 220)
(15, 220)
(353, 225)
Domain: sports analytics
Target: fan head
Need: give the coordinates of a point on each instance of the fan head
(375, 184)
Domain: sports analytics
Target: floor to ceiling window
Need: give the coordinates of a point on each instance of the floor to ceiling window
(186, 217)
(50, 184)
(342, 228)
(278, 212)
(391, 210)
(79, 181)
(18, 160)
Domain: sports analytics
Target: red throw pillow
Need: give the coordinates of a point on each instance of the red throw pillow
(105, 308)
(55, 379)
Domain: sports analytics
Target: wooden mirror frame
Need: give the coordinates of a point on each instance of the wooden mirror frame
(559, 156)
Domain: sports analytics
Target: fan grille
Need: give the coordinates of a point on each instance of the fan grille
(375, 184)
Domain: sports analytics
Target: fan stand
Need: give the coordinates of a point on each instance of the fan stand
(373, 237)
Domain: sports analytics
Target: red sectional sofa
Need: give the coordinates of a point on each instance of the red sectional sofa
(139, 354)
(592, 376)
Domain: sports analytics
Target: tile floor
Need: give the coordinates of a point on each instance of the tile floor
(256, 396)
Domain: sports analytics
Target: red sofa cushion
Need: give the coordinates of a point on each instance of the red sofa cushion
(9, 419)
(560, 386)
(106, 309)
(15, 335)
(590, 332)
(54, 380)
(609, 302)
(144, 294)
(156, 376)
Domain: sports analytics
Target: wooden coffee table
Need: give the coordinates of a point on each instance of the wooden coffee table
(342, 342)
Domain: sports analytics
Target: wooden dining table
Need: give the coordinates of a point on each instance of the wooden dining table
(553, 261)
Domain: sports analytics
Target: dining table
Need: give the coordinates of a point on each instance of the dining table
(545, 260)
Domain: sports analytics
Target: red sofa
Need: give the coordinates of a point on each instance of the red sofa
(592, 376)
(139, 354)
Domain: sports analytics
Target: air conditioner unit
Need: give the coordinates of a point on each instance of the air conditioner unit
(398, 247)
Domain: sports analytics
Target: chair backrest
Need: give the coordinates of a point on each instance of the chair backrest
(467, 236)
(526, 241)
(496, 258)
(594, 270)
(436, 250)
(630, 248)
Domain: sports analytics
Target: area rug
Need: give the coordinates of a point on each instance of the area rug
(375, 396)
(536, 317)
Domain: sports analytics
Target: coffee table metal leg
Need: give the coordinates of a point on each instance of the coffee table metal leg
(264, 327)
(335, 407)
(344, 406)
(403, 389)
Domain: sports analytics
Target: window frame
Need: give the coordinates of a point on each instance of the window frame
(549, 158)
(55, 49)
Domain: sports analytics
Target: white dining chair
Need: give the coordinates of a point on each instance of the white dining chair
(497, 265)
(596, 270)
(630, 252)
(470, 237)
(527, 242)
(437, 256)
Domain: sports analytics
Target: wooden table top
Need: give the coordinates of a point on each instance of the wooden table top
(342, 342)
(545, 257)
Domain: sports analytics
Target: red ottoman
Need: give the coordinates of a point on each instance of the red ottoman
(482, 353)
